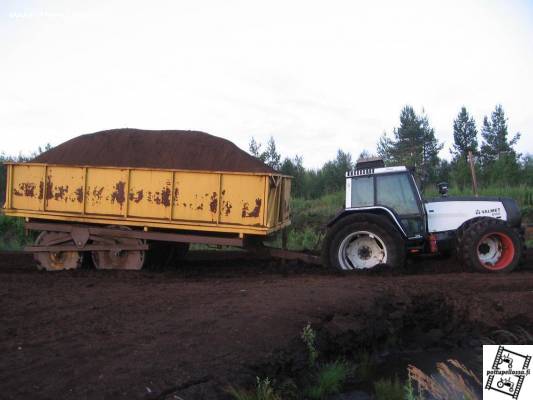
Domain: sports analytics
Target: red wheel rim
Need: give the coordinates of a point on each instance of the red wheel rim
(503, 248)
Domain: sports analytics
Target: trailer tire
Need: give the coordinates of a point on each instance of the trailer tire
(362, 241)
(491, 245)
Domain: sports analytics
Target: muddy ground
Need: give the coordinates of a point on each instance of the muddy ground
(192, 331)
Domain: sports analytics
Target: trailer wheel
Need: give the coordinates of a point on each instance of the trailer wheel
(56, 260)
(363, 241)
(491, 245)
(120, 259)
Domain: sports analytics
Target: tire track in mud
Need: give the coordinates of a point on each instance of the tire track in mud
(93, 334)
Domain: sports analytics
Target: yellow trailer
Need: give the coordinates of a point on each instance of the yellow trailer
(86, 208)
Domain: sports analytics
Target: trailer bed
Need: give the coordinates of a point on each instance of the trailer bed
(208, 201)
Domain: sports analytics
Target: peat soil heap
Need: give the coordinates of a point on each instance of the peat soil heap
(169, 149)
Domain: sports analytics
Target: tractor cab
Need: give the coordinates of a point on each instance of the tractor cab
(391, 190)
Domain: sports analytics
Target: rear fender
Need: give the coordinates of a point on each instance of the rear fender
(376, 210)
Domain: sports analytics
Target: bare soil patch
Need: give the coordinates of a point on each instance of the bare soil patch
(211, 322)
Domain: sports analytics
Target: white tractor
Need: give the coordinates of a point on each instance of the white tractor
(386, 218)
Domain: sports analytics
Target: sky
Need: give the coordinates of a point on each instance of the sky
(316, 75)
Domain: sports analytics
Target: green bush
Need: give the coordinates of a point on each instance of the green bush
(12, 235)
(330, 380)
(309, 218)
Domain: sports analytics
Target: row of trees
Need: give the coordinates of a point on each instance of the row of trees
(415, 144)
(496, 161)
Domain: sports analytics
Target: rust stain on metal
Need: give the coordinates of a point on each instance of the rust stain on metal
(79, 194)
(254, 213)
(119, 194)
(136, 197)
(185, 205)
(29, 189)
(49, 187)
(226, 206)
(41, 190)
(213, 205)
(165, 196)
(200, 207)
(176, 196)
(60, 192)
(97, 193)
(26, 189)
(157, 198)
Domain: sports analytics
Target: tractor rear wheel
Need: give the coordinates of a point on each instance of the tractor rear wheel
(363, 241)
(491, 245)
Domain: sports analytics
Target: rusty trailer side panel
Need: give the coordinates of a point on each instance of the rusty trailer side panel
(243, 203)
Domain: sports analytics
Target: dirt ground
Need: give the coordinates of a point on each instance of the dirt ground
(189, 332)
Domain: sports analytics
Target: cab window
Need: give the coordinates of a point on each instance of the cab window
(396, 192)
(363, 191)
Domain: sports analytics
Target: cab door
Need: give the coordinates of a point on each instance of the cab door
(398, 192)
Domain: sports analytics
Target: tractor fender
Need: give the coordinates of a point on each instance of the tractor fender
(376, 210)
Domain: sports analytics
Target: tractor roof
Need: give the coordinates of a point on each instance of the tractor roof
(371, 171)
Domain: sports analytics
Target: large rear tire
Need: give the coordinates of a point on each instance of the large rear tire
(491, 245)
(363, 241)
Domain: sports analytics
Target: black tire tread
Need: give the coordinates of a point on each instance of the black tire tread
(365, 221)
(471, 236)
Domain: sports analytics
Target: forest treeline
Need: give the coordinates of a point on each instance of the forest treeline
(414, 143)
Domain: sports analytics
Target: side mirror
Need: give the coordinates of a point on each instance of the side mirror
(443, 188)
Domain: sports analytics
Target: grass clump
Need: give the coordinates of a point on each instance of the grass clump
(452, 381)
(308, 336)
(330, 380)
(264, 391)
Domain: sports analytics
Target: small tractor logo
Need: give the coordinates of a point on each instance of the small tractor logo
(506, 358)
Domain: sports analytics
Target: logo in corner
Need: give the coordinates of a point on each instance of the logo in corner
(506, 377)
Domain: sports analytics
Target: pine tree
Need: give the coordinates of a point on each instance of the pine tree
(254, 148)
(414, 145)
(494, 133)
(464, 135)
(465, 141)
(499, 159)
(270, 156)
(333, 172)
